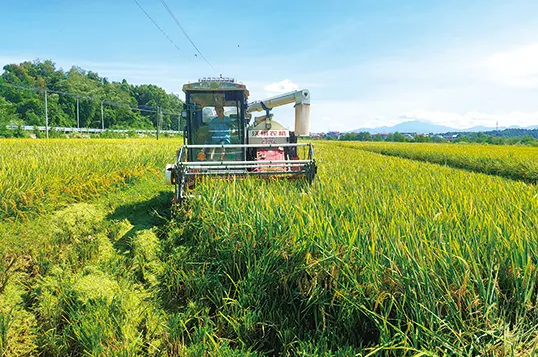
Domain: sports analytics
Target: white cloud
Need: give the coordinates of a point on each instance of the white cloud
(338, 115)
(280, 87)
(345, 115)
(452, 88)
(517, 67)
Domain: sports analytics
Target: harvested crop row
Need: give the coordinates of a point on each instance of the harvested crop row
(89, 273)
(36, 176)
(520, 163)
(380, 252)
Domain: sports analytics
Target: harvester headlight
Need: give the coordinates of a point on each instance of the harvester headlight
(169, 175)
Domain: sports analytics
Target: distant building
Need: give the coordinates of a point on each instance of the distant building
(333, 134)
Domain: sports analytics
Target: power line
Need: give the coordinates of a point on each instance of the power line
(185, 33)
(160, 29)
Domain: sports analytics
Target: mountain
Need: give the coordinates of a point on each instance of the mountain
(414, 126)
(480, 128)
(417, 126)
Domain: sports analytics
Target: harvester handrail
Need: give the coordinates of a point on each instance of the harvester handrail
(234, 167)
(218, 146)
(253, 163)
(246, 173)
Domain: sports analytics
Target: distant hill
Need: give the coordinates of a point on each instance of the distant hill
(417, 126)
(414, 126)
(100, 101)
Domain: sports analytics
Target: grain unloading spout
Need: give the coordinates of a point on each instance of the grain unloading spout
(302, 113)
(302, 119)
(301, 98)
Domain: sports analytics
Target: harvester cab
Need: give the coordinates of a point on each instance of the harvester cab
(220, 141)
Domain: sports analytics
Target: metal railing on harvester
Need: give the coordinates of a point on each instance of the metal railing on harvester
(184, 172)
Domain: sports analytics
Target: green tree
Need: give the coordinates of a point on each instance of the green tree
(28, 105)
(399, 137)
(527, 139)
(422, 138)
(438, 139)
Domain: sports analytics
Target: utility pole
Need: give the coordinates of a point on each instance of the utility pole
(159, 114)
(46, 115)
(102, 117)
(78, 115)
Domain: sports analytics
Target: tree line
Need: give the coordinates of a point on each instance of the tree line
(504, 137)
(22, 91)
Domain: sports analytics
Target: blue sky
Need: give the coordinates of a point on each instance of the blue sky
(366, 62)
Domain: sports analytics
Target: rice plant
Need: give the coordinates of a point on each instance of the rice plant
(516, 162)
(380, 255)
(38, 176)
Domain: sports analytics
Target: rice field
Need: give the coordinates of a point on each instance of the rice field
(516, 162)
(36, 177)
(381, 256)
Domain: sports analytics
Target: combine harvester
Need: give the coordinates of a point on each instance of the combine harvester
(220, 141)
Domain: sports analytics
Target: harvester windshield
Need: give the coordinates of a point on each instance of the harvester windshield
(216, 120)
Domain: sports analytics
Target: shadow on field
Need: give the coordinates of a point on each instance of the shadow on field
(143, 215)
